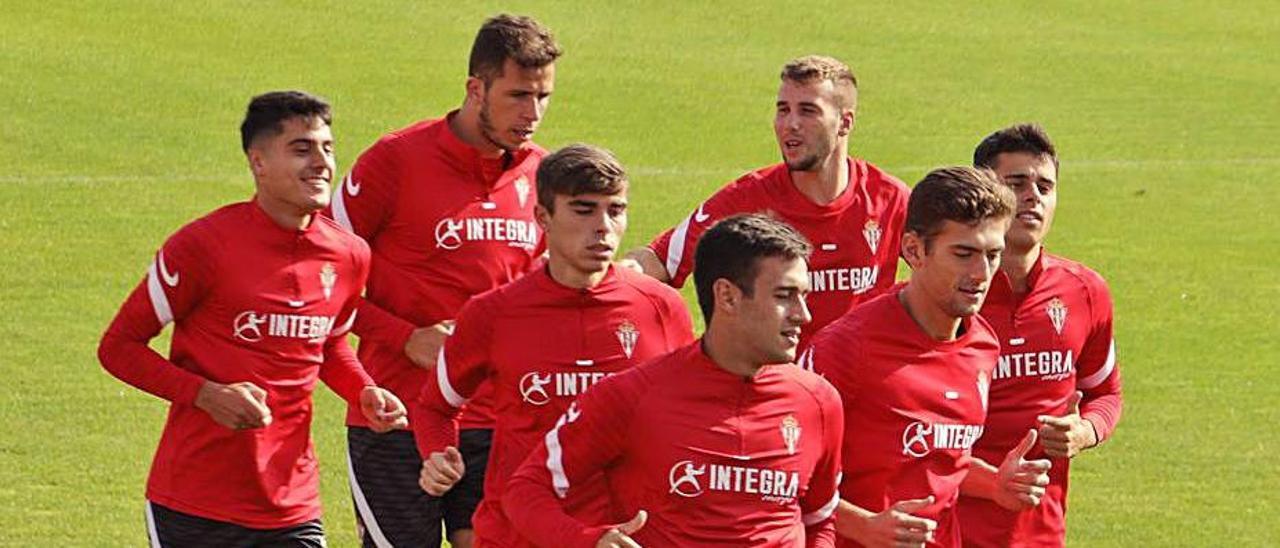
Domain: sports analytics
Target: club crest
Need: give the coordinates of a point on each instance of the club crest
(627, 337)
(790, 433)
(871, 232)
(522, 190)
(328, 277)
(1057, 314)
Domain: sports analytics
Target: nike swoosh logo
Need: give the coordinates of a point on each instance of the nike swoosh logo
(353, 188)
(699, 216)
(170, 279)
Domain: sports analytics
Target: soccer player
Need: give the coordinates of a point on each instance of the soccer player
(261, 295)
(1057, 369)
(723, 442)
(913, 367)
(544, 339)
(447, 207)
(851, 210)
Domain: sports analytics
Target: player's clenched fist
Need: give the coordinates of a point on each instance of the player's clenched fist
(424, 343)
(382, 409)
(1021, 482)
(1068, 435)
(236, 406)
(619, 536)
(440, 470)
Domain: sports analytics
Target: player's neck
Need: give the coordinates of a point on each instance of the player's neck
(1017, 264)
(466, 127)
(286, 216)
(719, 345)
(936, 323)
(568, 276)
(827, 182)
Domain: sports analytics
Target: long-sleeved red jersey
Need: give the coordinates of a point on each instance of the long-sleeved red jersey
(1056, 339)
(540, 345)
(855, 238)
(250, 302)
(913, 406)
(444, 224)
(716, 459)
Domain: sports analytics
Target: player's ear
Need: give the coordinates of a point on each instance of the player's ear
(727, 295)
(542, 215)
(475, 88)
(847, 118)
(912, 249)
(256, 161)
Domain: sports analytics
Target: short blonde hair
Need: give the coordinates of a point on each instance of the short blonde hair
(816, 68)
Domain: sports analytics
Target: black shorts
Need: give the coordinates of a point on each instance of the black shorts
(391, 508)
(171, 528)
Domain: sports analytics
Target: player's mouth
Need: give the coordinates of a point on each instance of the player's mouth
(973, 294)
(1030, 216)
(792, 336)
(523, 134)
(792, 145)
(317, 181)
(601, 251)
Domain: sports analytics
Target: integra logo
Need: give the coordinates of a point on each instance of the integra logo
(537, 388)
(248, 326)
(452, 233)
(689, 479)
(920, 438)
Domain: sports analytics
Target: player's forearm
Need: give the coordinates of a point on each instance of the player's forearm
(342, 372)
(649, 263)
(435, 422)
(1103, 412)
(851, 520)
(821, 534)
(536, 512)
(375, 323)
(982, 480)
(138, 365)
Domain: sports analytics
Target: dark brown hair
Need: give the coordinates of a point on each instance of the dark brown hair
(1029, 138)
(516, 37)
(266, 112)
(732, 249)
(963, 194)
(579, 169)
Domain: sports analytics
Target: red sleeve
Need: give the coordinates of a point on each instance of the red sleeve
(588, 437)
(1098, 375)
(375, 323)
(818, 507)
(367, 195)
(675, 247)
(176, 282)
(462, 366)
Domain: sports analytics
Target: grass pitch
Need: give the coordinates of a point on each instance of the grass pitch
(118, 124)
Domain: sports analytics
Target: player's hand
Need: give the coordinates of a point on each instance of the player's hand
(237, 406)
(1021, 482)
(631, 264)
(1068, 435)
(382, 409)
(897, 527)
(619, 536)
(423, 346)
(440, 470)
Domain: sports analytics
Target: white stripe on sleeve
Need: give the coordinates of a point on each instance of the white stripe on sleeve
(555, 462)
(339, 205)
(159, 301)
(346, 326)
(1101, 375)
(675, 247)
(442, 377)
(827, 509)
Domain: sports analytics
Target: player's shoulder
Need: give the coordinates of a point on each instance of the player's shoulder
(867, 318)
(230, 218)
(810, 384)
(647, 286)
(1075, 269)
(756, 182)
(408, 137)
(339, 235)
(878, 176)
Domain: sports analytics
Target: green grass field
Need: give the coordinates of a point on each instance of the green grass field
(118, 124)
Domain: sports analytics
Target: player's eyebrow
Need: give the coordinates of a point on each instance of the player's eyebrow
(579, 202)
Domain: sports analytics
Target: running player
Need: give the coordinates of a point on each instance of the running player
(261, 295)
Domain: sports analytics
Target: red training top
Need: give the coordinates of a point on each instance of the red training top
(913, 406)
(540, 344)
(1057, 339)
(444, 225)
(713, 457)
(855, 237)
(250, 302)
